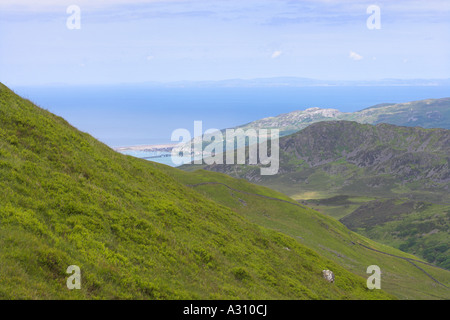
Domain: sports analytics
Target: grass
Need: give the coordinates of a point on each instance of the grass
(416, 227)
(423, 232)
(135, 230)
(324, 234)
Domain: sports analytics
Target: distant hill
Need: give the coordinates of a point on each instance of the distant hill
(430, 113)
(346, 157)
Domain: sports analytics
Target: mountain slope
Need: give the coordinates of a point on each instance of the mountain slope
(328, 237)
(417, 227)
(343, 157)
(134, 230)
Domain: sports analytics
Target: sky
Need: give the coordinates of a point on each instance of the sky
(131, 41)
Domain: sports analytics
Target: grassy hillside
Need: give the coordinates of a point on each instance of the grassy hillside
(133, 229)
(325, 235)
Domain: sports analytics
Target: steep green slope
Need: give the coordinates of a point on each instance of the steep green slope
(325, 235)
(135, 232)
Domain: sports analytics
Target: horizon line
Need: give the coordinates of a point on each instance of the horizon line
(317, 82)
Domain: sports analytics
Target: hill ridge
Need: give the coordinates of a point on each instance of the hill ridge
(427, 113)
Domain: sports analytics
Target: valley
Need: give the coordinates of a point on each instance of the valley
(387, 182)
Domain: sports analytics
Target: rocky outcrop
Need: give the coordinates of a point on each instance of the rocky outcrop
(328, 275)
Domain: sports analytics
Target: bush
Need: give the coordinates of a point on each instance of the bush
(240, 273)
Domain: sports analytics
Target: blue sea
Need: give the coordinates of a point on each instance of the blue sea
(143, 115)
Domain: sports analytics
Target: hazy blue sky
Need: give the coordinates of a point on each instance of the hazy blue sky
(122, 41)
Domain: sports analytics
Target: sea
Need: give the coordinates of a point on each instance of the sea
(130, 115)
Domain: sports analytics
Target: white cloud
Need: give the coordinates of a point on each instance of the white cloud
(276, 54)
(355, 56)
(150, 58)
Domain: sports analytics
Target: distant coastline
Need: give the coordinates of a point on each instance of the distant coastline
(161, 153)
(148, 148)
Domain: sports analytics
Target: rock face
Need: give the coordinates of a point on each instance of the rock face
(409, 153)
(328, 275)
